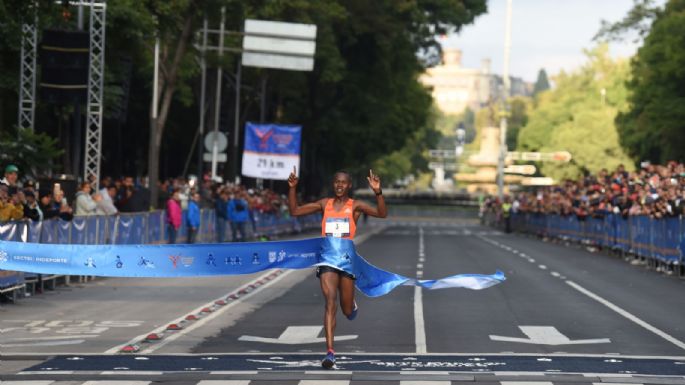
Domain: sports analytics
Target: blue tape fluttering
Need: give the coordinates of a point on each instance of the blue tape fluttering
(219, 259)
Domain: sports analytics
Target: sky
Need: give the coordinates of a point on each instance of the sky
(549, 34)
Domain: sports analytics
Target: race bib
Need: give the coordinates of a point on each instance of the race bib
(337, 227)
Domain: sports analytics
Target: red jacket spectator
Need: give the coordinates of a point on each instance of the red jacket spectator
(173, 212)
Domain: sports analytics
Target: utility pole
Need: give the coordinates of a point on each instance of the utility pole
(203, 91)
(505, 106)
(217, 100)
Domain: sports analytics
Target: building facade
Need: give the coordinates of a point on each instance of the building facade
(455, 87)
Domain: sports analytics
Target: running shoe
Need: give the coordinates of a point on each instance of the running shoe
(329, 360)
(353, 315)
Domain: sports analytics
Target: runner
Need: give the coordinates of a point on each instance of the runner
(340, 215)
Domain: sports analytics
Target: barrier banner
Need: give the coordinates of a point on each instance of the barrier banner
(271, 150)
(218, 259)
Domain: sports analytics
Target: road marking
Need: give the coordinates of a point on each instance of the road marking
(48, 343)
(27, 382)
(526, 383)
(628, 315)
(324, 382)
(547, 335)
(213, 315)
(543, 267)
(424, 382)
(419, 325)
(127, 382)
(225, 382)
(220, 311)
(296, 335)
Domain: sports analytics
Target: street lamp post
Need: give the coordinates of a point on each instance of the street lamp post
(504, 108)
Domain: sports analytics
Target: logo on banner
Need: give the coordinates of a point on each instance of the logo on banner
(283, 140)
(272, 256)
(90, 262)
(263, 137)
(233, 261)
(119, 263)
(281, 255)
(3, 256)
(174, 260)
(146, 263)
(211, 261)
(187, 261)
(255, 259)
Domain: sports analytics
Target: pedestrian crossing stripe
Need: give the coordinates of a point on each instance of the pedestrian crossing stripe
(301, 382)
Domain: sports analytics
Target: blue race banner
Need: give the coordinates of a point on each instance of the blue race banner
(271, 150)
(218, 259)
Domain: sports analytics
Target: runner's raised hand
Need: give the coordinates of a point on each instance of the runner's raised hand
(374, 181)
(293, 179)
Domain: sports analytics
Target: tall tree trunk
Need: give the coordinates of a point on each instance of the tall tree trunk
(168, 85)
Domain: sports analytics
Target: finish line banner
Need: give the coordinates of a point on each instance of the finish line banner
(271, 150)
(219, 259)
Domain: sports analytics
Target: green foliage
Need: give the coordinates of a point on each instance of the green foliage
(638, 19)
(362, 101)
(518, 118)
(542, 83)
(575, 117)
(33, 153)
(652, 128)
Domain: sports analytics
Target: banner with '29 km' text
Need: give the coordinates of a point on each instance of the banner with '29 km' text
(271, 150)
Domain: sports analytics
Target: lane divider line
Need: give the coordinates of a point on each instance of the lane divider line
(419, 323)
(628, 315)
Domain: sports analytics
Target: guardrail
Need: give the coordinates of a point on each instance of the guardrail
(134, 228)
(656, 241)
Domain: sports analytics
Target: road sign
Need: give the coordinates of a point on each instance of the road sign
(221, 141)
(220, 157)
(297, 335)
(547, 335)
(558, 156)
(525, 169)
(437, 165)
(275, 44)
(446, 154)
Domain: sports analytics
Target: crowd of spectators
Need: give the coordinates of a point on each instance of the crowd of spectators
(235, 204)
(657, 191)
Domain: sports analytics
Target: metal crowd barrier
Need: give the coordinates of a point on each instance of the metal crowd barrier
(656, 240)
(133, 228)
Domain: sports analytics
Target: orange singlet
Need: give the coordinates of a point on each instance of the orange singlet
(339, 223)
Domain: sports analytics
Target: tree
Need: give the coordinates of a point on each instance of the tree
(32, 152)
(542, 83)
(577, 117)
(652, 128)
(518, 117)
(361, 102)
(638, 19)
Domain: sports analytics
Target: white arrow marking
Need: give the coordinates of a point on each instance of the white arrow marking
(547, 335)
(294, 335)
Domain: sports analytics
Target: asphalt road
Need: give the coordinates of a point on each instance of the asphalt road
(561, 309)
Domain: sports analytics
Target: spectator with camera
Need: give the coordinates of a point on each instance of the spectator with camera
(85, 203)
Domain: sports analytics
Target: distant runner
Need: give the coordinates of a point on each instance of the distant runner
(340, 215)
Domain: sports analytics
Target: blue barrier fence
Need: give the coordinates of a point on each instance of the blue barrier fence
(656, 239)
(137, 228)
